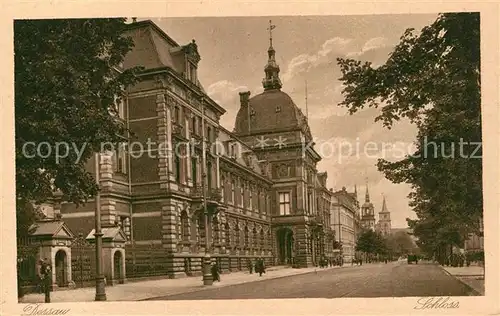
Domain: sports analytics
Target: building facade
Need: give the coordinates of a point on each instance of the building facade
(184, 184)
(278, 131)
(344, 213)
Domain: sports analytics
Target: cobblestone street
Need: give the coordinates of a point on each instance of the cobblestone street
(396, 279)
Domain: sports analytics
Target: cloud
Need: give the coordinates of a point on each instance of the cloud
(225, 93)
(371, 45)
(305, 62)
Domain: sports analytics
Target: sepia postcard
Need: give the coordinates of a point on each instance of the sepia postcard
(249, 158)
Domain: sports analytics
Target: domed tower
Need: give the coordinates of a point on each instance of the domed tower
(278, 132)
(272, 111)
(368, 212)
(384, 219)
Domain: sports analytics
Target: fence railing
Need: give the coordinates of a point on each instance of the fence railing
(145, 261)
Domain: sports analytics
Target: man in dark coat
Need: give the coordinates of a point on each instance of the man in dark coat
(215, 272)
(259, 267)
(46, 278)
(250, 266)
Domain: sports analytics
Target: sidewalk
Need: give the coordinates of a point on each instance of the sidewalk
(142, 290)
(472, 276)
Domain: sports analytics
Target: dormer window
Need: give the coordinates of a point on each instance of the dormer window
(232, 151)
(278, 109)
(191, 72)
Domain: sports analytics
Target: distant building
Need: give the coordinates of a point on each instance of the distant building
(475, 242)
(384, 222)
(345, 214)
(368, 212)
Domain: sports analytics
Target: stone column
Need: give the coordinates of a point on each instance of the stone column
(164, 147)
(108, 213)
(169, 226)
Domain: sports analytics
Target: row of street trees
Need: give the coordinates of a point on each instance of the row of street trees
(432, 78)
(389, 247)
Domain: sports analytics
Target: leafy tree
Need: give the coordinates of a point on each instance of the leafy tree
(431, 78)
(400, 243)
(370, 242)
(66, 80)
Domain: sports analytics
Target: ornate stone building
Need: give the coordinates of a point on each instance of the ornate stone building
(262, 201)
(345, 218)
(277, 130)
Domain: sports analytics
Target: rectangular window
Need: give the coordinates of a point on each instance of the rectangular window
(193, 73)
(193, 124)
(177, 115)
(194, 170)
(120, 159)
(177, 165)
(199, 128)
(222, 188)
(284, 202)
(232, 192)
(250, 199)
(240, 193)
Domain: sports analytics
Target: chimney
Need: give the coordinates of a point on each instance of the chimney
(244, 97)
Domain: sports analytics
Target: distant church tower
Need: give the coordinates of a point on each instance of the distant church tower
(384, 220)
(368, 212)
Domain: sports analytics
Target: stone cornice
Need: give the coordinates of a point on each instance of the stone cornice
(238, 169)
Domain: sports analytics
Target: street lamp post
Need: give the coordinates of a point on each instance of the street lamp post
(100, 290)
(207, 275)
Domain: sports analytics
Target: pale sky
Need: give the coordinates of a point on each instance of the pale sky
(233, 55)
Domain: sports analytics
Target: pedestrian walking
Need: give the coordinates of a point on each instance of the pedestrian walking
(260, 267)
(46, 278)
(250, 266)
(215, 272)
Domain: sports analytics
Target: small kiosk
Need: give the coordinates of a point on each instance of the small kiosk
(54, 239)
(113, 254)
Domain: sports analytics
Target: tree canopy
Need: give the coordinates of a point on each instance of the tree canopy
(431, 78)
(371, 242)
(67, 78)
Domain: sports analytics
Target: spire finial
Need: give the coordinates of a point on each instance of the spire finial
(272, 70)
(367, 194)
(271, 28)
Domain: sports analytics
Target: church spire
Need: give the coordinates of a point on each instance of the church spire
(272, 70)
(384, 206)
(367, 194)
